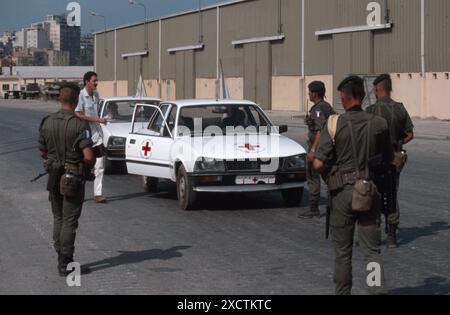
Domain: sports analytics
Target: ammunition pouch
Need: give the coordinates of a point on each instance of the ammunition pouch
(72, 180)
(55, 170)
(400, 160)
(334, 179)
(337, 179)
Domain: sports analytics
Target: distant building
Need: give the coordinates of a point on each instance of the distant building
(53, 34)
(38, 37)
(58, 58)
(20, 40)
(21, 76)
(64, 37)
(6, 38)
(87, 50)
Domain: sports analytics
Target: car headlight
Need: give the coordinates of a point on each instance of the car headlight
(209, 165)
(297, 162)
(116, 142)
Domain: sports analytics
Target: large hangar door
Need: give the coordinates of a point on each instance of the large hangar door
(185, 74)
(353, 54)
(258, 73)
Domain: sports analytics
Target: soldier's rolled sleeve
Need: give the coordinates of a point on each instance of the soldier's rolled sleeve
(324, 151)
(319, 120)
(409, 126)
(84, 128)
(42, 145)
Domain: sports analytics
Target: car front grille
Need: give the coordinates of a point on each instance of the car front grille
(247, 165)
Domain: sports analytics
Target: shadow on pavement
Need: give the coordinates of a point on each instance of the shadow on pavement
(431, 286)
(122, 197)
(126, 258)
(409, 235)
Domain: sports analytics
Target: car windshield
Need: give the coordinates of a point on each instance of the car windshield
(122, 111)
(197, 119)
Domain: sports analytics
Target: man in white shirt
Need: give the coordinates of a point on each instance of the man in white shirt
(87, 109)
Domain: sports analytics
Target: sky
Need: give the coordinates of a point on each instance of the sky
(17, 14)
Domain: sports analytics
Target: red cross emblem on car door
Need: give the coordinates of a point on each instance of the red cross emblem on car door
(146, 149)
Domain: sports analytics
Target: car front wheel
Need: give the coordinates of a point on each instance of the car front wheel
(292, 197)
(185, 190)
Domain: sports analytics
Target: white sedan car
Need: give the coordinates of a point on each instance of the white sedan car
(214, 146)
(118, 111)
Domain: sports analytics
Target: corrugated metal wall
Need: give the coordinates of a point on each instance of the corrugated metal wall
(105, 59)
(395, 50)
(437, 30)
(398, 50)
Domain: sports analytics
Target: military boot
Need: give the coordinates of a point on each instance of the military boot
(60, 262)
(310, 213)
(392, 236)
(62, 267)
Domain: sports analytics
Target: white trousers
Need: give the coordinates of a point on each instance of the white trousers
(99, 172)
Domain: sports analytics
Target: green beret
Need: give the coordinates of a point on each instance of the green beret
(316, 87)
(382, 78)
(352, 80)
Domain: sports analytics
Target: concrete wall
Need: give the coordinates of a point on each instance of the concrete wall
(423, 97)
(206, 88)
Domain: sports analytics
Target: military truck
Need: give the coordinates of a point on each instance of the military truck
(31, 91)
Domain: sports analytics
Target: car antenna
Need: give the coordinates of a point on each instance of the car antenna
(223, 83)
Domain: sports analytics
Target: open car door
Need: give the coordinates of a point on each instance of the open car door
(149, 142)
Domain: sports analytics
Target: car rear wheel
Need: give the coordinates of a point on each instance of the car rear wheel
(185, 191)
(150, 184)
(292, 197)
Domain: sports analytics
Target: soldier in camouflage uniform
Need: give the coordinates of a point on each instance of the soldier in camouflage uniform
(402, 132)
(315, 121)
(64, 140)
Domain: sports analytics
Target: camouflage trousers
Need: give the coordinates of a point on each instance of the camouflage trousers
(343, 223)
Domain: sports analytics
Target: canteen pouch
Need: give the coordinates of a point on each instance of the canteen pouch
(400, 160)
(364, 196)
(71, 181)
(335, 181)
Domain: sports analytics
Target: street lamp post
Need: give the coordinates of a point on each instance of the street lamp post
(133, 2)
(104, 21)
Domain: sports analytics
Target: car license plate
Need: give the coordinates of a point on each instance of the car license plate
(255, 180)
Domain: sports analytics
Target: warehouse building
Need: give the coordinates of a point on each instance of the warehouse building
(271, 49)
(14, 79)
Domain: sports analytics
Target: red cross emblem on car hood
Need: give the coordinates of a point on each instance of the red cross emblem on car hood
(249, 147)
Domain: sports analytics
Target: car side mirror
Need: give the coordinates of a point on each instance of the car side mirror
(283, 129)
